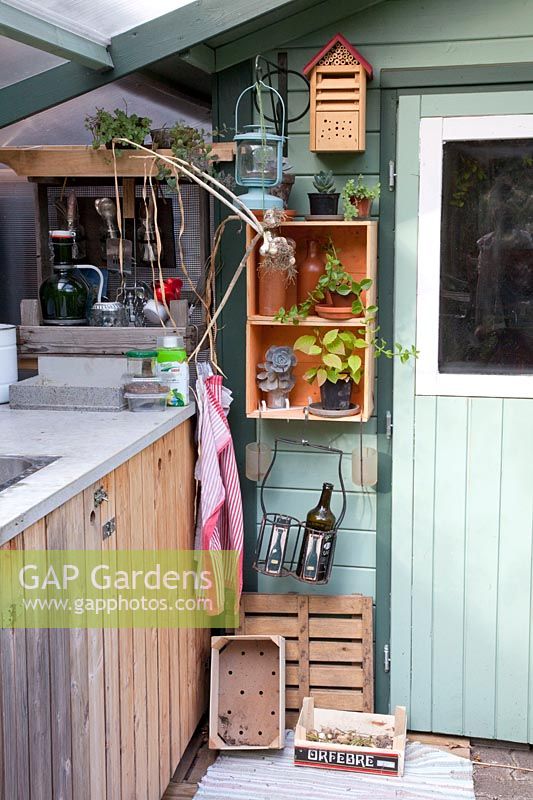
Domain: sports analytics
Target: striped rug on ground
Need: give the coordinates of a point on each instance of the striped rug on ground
(430, 774)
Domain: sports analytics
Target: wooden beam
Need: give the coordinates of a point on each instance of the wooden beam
(37, 32)
(172, 33)
(293, 26)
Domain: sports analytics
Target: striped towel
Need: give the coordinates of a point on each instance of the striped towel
(220, 522)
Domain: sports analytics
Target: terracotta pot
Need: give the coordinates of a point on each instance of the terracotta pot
(342, 300)
(272, 292)
(276, 398)
(309, 271)
(363, 206)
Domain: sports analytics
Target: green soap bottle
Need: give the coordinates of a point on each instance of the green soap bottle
(173, 369)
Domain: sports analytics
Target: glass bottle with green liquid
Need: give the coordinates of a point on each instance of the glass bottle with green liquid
(173, 369)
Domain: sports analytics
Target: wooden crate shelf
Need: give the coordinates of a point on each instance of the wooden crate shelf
(356, 243)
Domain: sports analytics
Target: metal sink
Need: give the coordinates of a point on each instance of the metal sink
(15, 468)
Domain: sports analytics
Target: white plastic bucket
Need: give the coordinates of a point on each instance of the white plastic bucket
(8, 360)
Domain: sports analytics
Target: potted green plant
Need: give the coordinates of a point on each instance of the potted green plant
(339, 366)
(358, 197)
(325, 201)
(106, 126)
(338, 288)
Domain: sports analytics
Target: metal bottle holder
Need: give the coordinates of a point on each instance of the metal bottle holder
(284, 535)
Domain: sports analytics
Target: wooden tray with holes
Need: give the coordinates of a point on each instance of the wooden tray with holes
(247, 701)
(328, 647)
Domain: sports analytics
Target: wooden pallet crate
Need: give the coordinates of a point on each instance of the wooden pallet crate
(328, 647)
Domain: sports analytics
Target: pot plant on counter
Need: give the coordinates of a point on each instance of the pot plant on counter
(274, 376)
(339, 366)
(357, 198)
(106, 126)
(325, 201)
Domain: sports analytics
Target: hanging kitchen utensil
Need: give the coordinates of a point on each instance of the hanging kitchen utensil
(281, 536)
(113, 243)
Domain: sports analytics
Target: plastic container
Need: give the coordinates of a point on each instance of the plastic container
(146, 402)
(8, 360)
(173, 369)
(142, 363)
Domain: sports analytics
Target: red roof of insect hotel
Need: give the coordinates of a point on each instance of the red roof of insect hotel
(339, 39)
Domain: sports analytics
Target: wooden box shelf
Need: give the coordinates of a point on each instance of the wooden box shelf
(356, 243)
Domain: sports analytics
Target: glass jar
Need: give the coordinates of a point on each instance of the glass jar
(142, 363)
(108, 315)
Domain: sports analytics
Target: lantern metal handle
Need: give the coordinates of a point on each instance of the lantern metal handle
(269, 89)
(315, 446)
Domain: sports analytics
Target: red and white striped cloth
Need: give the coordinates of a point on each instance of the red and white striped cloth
(220, 519)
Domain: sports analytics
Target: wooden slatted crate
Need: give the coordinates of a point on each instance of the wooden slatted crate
(328, 647)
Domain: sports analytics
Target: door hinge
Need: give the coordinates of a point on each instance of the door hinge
(386, 658)
(392, 175)
(388, 424)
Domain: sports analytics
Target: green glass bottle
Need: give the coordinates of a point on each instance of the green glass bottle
(64, 295)
(317, 546)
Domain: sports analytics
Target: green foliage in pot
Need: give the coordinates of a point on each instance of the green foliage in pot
(323, 182)
(353, 191)
(336, 355)
(106, 126)
(334, 279)
(191, 145)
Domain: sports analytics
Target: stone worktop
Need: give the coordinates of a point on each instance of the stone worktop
(87, 445)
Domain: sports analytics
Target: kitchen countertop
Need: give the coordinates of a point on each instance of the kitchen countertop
(89, 445)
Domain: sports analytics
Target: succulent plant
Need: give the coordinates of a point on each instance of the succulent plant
(275, 374)
(323, 182)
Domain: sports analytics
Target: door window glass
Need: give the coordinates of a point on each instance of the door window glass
(486, 278)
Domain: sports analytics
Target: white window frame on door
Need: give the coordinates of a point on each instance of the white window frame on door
(434, 132)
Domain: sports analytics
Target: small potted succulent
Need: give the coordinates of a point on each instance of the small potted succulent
(358, 197)
(274, 376)
(106, 126)
(325, 201)
(339, 365)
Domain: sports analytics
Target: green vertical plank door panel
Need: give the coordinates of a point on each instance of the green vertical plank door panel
(481, 562)
(422, 584)
(514, 659)
(448, 562)
(403, 406)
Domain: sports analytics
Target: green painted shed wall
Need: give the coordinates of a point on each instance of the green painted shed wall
(455, 39)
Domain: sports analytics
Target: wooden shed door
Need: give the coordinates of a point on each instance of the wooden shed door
(462, 508)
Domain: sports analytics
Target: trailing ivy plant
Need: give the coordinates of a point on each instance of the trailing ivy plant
(357, 191)
(106, 126)
(337, 356)
(334, 279)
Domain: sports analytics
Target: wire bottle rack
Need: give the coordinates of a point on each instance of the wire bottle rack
(288, 546)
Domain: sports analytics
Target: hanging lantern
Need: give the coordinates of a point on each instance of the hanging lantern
(258, 164)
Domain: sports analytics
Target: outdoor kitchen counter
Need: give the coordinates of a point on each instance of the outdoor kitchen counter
(88, 446)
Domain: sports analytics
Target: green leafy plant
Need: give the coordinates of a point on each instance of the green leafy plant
(334, 279)
(323, 182)
(467, 176)
(106, 126)
(353, 191)
(191, 145)
(337, 356)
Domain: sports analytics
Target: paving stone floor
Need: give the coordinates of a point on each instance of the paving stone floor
(493, 783)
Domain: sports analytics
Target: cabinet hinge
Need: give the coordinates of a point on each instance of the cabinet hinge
(392, 175)
(386, 658)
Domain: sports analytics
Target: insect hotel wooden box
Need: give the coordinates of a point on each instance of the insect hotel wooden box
(337, 77)
(353, 758)
(247, 704)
